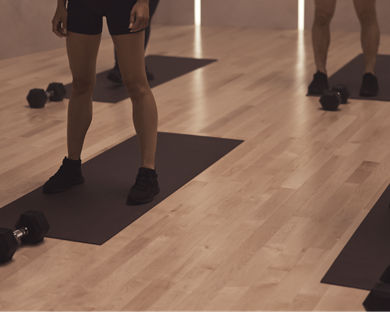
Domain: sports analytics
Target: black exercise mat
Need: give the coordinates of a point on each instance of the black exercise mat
(96, 211)
(164, 69)
(367, 254)
(351, 75)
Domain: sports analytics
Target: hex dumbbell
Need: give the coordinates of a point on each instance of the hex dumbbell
(31, 228)
(331, 99)
(37, 98)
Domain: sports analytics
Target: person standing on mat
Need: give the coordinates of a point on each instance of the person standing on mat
(81, 23)
(370, 36)
(114, 74)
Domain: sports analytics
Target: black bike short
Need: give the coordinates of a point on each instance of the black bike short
(86, 16)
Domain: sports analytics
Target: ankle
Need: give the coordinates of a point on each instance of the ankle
(149, 167)
(322, 71)
(73, 162)
(73, 158)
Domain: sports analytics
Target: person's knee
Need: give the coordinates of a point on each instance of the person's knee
(322, 18)
(81, 86)
(137, 90)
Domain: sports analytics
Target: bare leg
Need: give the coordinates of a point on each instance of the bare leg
(130, 53)
(82, 54)
(370, 36)
(324, 11)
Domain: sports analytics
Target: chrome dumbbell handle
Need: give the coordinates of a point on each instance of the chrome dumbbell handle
(20, 233)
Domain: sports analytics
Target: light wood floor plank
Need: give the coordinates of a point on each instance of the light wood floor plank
(255, 231)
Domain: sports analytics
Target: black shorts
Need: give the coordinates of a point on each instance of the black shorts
(86, 16)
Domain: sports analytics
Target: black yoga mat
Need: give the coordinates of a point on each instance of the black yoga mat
(96, 211)
(367, 254)
(351, 75)
(164, 69)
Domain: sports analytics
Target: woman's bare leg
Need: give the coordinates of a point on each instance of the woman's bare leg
(130, 53)
(324, 11)
(82, 53)
(370, 35)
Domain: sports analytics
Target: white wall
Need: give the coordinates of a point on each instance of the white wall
(25, 25)
(269, 14)
(175, 12)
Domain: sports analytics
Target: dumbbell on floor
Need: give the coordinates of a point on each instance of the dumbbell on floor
(331, 99)
(31, 228)
(37, 98)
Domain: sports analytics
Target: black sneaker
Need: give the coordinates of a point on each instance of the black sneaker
(369, 86)
(318, 85)
(115, 75)
(67, 176)
(145, 187)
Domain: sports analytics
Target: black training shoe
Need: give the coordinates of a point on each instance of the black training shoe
(149, 75)
(370, 87)
(318, 85)
(115, 75)
(145, 187)
(67, 176)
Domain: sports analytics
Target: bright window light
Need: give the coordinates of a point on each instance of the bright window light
(198, 12)
(301, 14)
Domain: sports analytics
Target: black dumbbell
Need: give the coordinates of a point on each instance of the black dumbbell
(37, 98)
(31, 228)
(331, 99)
(379, 297)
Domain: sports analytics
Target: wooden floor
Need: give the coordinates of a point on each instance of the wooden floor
(256, 231)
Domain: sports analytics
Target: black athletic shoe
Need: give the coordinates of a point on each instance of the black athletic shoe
(115, 75)
(145, 187)
(318, 85)
(369, 86)
(67, 176)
